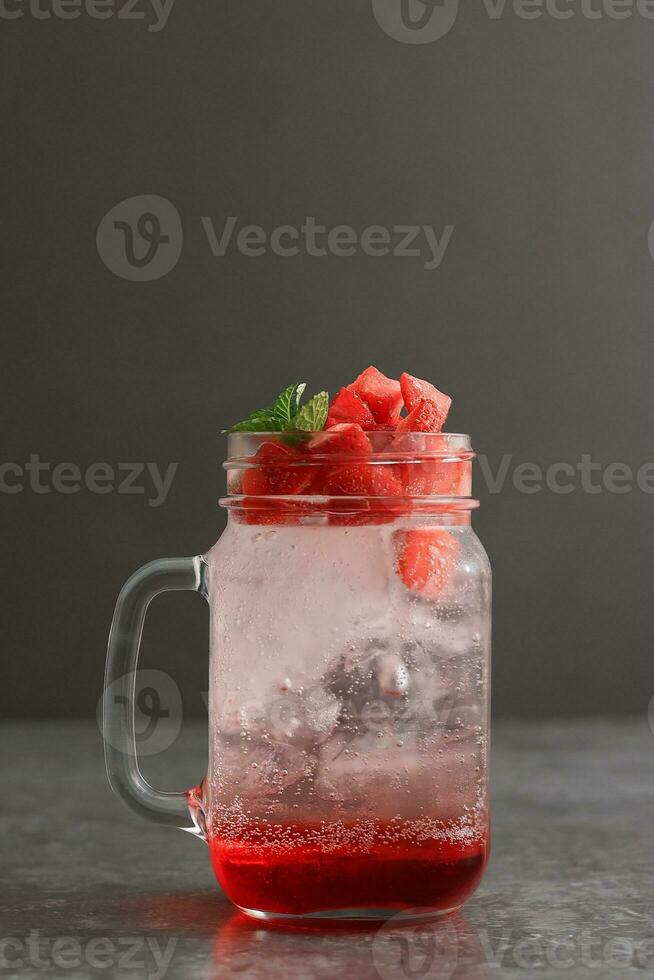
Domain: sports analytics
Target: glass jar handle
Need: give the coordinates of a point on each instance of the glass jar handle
(120, 743)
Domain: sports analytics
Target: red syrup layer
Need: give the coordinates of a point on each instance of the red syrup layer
(298, 869)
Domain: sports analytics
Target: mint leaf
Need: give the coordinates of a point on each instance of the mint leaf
(313, 415)
(264, 420)
(286, 414)
(287, 404)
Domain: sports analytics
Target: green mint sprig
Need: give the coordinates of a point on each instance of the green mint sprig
(312, 417)
(286, 415)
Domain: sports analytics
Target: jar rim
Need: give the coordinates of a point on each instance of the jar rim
(387, 472)
(462, 503)
(306, 506)
(386, 446)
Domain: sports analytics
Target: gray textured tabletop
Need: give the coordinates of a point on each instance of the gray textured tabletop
(89, 890)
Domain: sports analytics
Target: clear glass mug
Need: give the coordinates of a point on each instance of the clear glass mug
(349, 684)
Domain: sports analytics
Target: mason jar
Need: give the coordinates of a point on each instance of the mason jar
(348, 682)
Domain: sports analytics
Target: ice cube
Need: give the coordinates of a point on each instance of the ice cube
(303, 716)
(257, 769)
(392, 685)
(287, 599)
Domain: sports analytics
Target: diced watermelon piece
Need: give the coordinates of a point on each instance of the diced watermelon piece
(382, 395)
(343, 439)
(414, 390)
(362, 479)
(348, 407)
(426, 560)
(425, 475)
(385, 481)
(373, 485)
(254, 482)
(436, 478)
(276, 472)
(350, 479)
(425, 417)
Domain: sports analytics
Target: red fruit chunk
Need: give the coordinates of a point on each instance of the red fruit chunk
(382, 395)
(414, 390)
(351, 479)
(343, 439)
(372, 483)
(425, 417)
(426, 560)
(276, 472)
(425, 475)
(348, 407)
(362, 479)
(436, 478)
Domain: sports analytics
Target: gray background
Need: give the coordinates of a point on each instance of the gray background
(533, 138)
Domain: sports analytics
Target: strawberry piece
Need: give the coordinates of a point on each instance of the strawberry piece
(414, 390)
(348, 407)
(382, 395)
(426, 560)
(425, 417)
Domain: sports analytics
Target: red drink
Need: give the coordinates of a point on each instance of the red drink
(295, 870)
